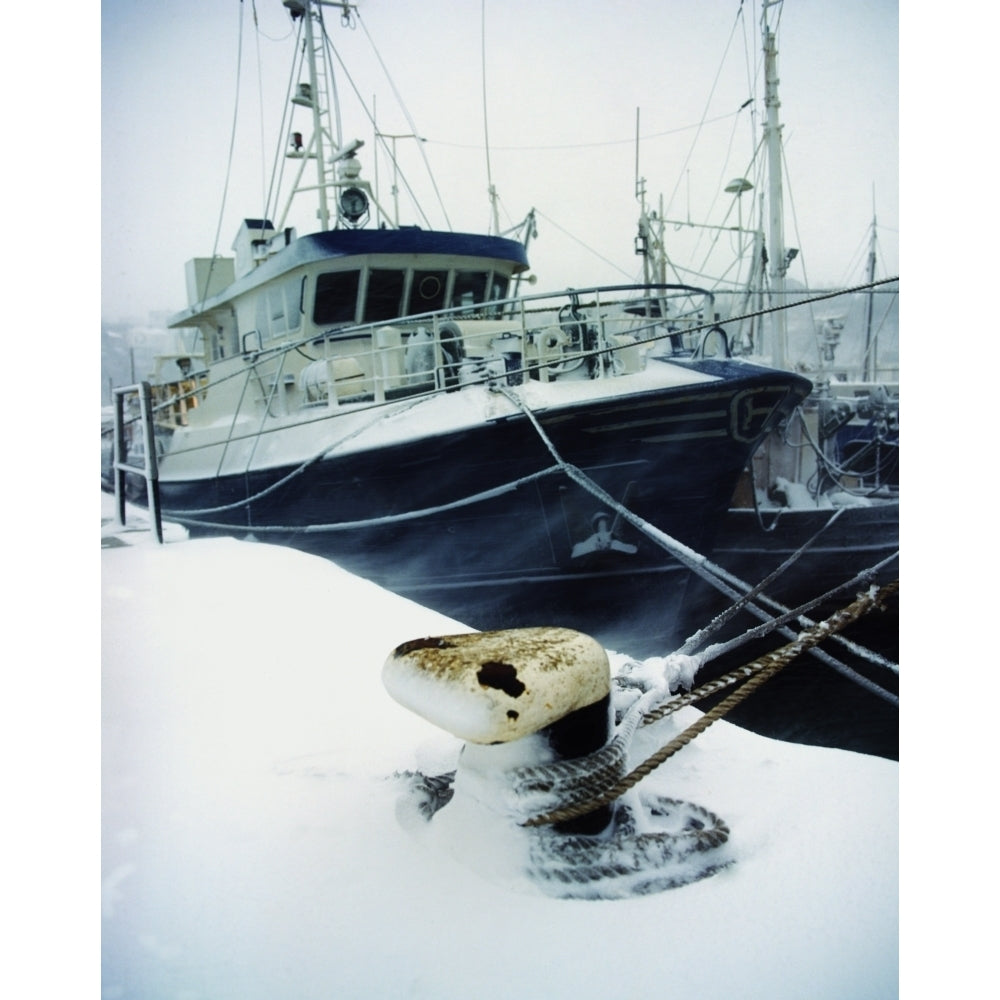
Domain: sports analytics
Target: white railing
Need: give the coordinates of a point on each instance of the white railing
(592, 333)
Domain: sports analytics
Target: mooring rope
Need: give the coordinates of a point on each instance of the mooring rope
(385, 519)
(763, 669)
(185, 516)
(779, 623)
(726, 583)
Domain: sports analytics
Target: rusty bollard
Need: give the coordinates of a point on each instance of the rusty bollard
(517, 697)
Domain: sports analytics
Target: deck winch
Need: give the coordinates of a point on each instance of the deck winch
(535, 709)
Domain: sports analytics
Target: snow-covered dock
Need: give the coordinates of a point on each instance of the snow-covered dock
(251, 846)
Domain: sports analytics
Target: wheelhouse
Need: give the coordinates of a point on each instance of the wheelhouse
(279, 288)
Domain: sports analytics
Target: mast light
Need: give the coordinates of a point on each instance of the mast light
(304, 96)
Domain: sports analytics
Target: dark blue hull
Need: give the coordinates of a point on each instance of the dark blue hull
(520, 556)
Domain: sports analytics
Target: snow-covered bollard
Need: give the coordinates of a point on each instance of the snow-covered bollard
(534, 707)
(546, 689)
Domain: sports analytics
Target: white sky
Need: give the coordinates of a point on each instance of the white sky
(563, 80)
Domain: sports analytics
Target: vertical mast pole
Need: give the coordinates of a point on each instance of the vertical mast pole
(661, 253)
(772, 139)
(324, 211)
(644, 240)
(870, 348)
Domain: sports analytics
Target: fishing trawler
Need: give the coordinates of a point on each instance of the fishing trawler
(815, 516)
(379, 394)
(823, 492)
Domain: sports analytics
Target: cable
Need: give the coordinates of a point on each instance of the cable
(229, 162)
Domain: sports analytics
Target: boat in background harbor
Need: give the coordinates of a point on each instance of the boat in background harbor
(815, 517)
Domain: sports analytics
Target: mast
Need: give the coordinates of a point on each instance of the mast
(337, 167)
(649, 241)
(772, 140)
(324, 210)
(870, 349)
(642, 241)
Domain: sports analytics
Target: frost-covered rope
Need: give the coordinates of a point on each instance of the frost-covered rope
(655, 843)
(385, 519)
(713, 574)
(763, 668)
(538, 787)
(784, 615)
(294, 474)
(721, 619)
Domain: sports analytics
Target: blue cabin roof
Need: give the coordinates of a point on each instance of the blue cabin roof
(343, 243)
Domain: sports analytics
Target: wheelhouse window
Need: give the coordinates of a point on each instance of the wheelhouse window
(293, 302)
(470, 288)
(428, 291)
(336, 297)
(390, 293)
(278, 309)
(477, 289)
(384, 300)
(276, 299)
(499, 288)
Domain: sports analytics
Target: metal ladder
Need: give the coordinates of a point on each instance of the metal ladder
(120, 467)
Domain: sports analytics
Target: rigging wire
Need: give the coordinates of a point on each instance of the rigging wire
(576, 239)
(701, 271)
(333, 97)
(510, 220)
(495, 228)
(750, 63)
(278, 166)
(735, 259)
(407, 115)
(883, 321)
(260, 108)
(590, 145)
(260, 30)
(798, 239)
(719, 188)
(703, 121)
(229, 162)
(371, 120)
(854, 262)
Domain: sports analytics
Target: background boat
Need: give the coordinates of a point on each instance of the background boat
(816, 514)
